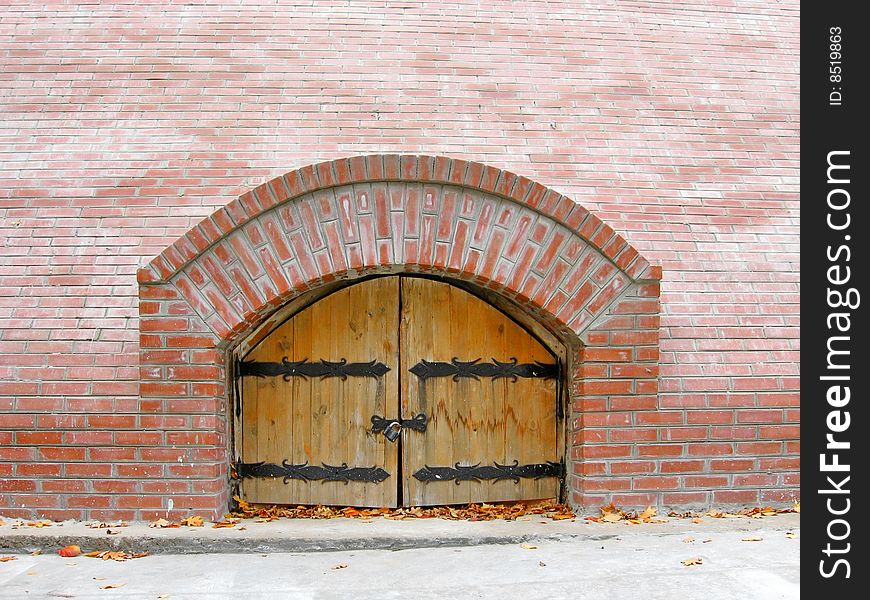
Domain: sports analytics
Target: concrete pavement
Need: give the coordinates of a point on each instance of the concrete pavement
(568, 560)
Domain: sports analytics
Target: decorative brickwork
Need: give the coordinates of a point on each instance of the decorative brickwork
(377, 214)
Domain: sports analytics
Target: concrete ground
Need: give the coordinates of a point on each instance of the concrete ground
(427, 560)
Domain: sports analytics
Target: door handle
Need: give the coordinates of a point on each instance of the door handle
(391, 428)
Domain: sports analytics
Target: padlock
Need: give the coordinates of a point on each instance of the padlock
(391, 432)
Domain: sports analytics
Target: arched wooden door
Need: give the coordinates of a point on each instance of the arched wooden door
(399, 391)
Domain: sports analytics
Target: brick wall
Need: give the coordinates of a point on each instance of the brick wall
(124, 125)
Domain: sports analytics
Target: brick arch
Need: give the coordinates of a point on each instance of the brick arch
(354, 217)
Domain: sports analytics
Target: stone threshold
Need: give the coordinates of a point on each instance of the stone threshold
(343, 534)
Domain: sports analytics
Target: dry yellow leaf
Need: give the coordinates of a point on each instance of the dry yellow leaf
(528, 546)
(693, 561)
(797, 506)
(341, 566)
(115, 555)
(39, 524)
(688, 540)
(8, 558)
(160, 523)
(752, 538)
(102, 525)
(195, 521)
(647, 514)
(612, 517)
(225, 523)
(790, 535)
(111, 586)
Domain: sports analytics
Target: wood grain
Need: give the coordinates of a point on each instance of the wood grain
(399, 321)
(326, 420)
(472, 421)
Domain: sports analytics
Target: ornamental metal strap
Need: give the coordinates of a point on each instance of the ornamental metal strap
(475, 369)
(303, 368)
(497, 472)
(306, 472)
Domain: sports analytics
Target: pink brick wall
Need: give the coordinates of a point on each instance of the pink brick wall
(675, 124)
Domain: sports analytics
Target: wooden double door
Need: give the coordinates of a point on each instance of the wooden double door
(399, 391)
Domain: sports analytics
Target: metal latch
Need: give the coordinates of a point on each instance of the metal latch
(393, 428)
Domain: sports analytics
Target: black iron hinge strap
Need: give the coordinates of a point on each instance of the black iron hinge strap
(303, 368)
(475, 369)
(496, 472)
(306, 472)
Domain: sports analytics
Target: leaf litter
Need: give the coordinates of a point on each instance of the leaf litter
(118, 555)
(613, 514)
(508, 511)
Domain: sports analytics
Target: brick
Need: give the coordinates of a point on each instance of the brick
(722, 230)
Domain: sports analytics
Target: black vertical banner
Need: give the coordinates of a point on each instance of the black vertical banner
(834, 299)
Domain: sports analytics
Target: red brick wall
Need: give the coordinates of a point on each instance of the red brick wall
(124, 125)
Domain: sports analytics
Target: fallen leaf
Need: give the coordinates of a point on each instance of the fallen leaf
(99, 578)
(225, 523)
(163, 596)
(797, 506)
(111, 586)
(542, 563)
(194, 521)
(8, 558)
(69, 551)
(697, 521)
(790, 535)
(116, 555)
(341, 566)
(39, 524)
(612, 517)
(693, 561)
(528, 546)
(36, 552)
(102, 525)
(707, 541)
(647, 514)
(161, 523)
(752, 538)
(688, 540)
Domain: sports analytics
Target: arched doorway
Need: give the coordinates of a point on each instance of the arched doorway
(399, 391)
(535, 254)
